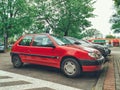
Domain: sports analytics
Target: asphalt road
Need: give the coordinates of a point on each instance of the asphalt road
(37, 77)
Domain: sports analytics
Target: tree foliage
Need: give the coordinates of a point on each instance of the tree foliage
(117, 2)
(110, 36)
(90, 33)
(65, 17)
(15, 17)
(115, 20)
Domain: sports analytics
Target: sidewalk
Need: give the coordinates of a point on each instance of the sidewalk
(109, 83)
(110, 77)
(117, 72)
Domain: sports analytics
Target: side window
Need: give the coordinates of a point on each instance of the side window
(42, 41)
(26, 41)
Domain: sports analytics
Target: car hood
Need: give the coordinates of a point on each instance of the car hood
(74, 46)
(96, 46)
(80, 47)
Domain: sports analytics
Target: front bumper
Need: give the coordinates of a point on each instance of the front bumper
(92, 65)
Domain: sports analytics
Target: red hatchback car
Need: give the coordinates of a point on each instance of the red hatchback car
(50, 50)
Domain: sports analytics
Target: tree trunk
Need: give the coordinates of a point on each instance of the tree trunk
(66, 33)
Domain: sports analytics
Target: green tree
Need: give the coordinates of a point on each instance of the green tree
(65, 17)
(115, 20)
(15, 17)
(117, 2)
(91, 32)
(38, 24)
(110, 36)
(73, 18)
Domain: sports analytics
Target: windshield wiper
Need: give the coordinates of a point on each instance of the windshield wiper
(67, 44)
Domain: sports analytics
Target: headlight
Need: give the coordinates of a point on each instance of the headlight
(93, 52)
(94, 55)
(88, 49)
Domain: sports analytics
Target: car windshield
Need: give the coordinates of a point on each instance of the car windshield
(72, 40)
(84, 42)
(61, 40)
(81, 42)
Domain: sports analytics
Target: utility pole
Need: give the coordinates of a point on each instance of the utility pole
(5, 41)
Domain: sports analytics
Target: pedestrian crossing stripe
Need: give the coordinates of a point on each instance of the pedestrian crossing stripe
(32, 83)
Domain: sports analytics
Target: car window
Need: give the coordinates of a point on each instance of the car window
(58, 40)
(42, 40)
(72, 40)
(26, 41)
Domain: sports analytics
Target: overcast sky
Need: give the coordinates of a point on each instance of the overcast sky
(103, 10)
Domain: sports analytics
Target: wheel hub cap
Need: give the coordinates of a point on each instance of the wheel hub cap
(70, 68)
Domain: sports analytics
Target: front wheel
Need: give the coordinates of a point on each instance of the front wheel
(70, 67)
(17, 63)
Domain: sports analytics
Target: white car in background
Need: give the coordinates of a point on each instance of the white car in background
(2, 47)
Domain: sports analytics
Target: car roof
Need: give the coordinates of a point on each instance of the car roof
(37, 34)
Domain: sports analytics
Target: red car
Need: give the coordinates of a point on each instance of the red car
(50, 50)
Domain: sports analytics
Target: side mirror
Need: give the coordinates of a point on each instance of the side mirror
(52, 46)
(78, 43)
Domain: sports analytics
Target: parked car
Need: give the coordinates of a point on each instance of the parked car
(106, 48)
(103, 49)
(2, 47)
(50, 50)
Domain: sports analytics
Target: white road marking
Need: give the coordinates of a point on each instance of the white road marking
(8, 80)
(35, 83)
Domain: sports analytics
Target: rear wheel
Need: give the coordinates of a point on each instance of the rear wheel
(70, 67)
(17, 63)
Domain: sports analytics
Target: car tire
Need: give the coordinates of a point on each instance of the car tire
(70, 67)
(17, 63)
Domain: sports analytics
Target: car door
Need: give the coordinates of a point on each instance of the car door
(43, 51)
(24, 47)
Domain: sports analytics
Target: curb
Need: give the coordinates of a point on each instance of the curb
(100, 82)
(117, 73)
